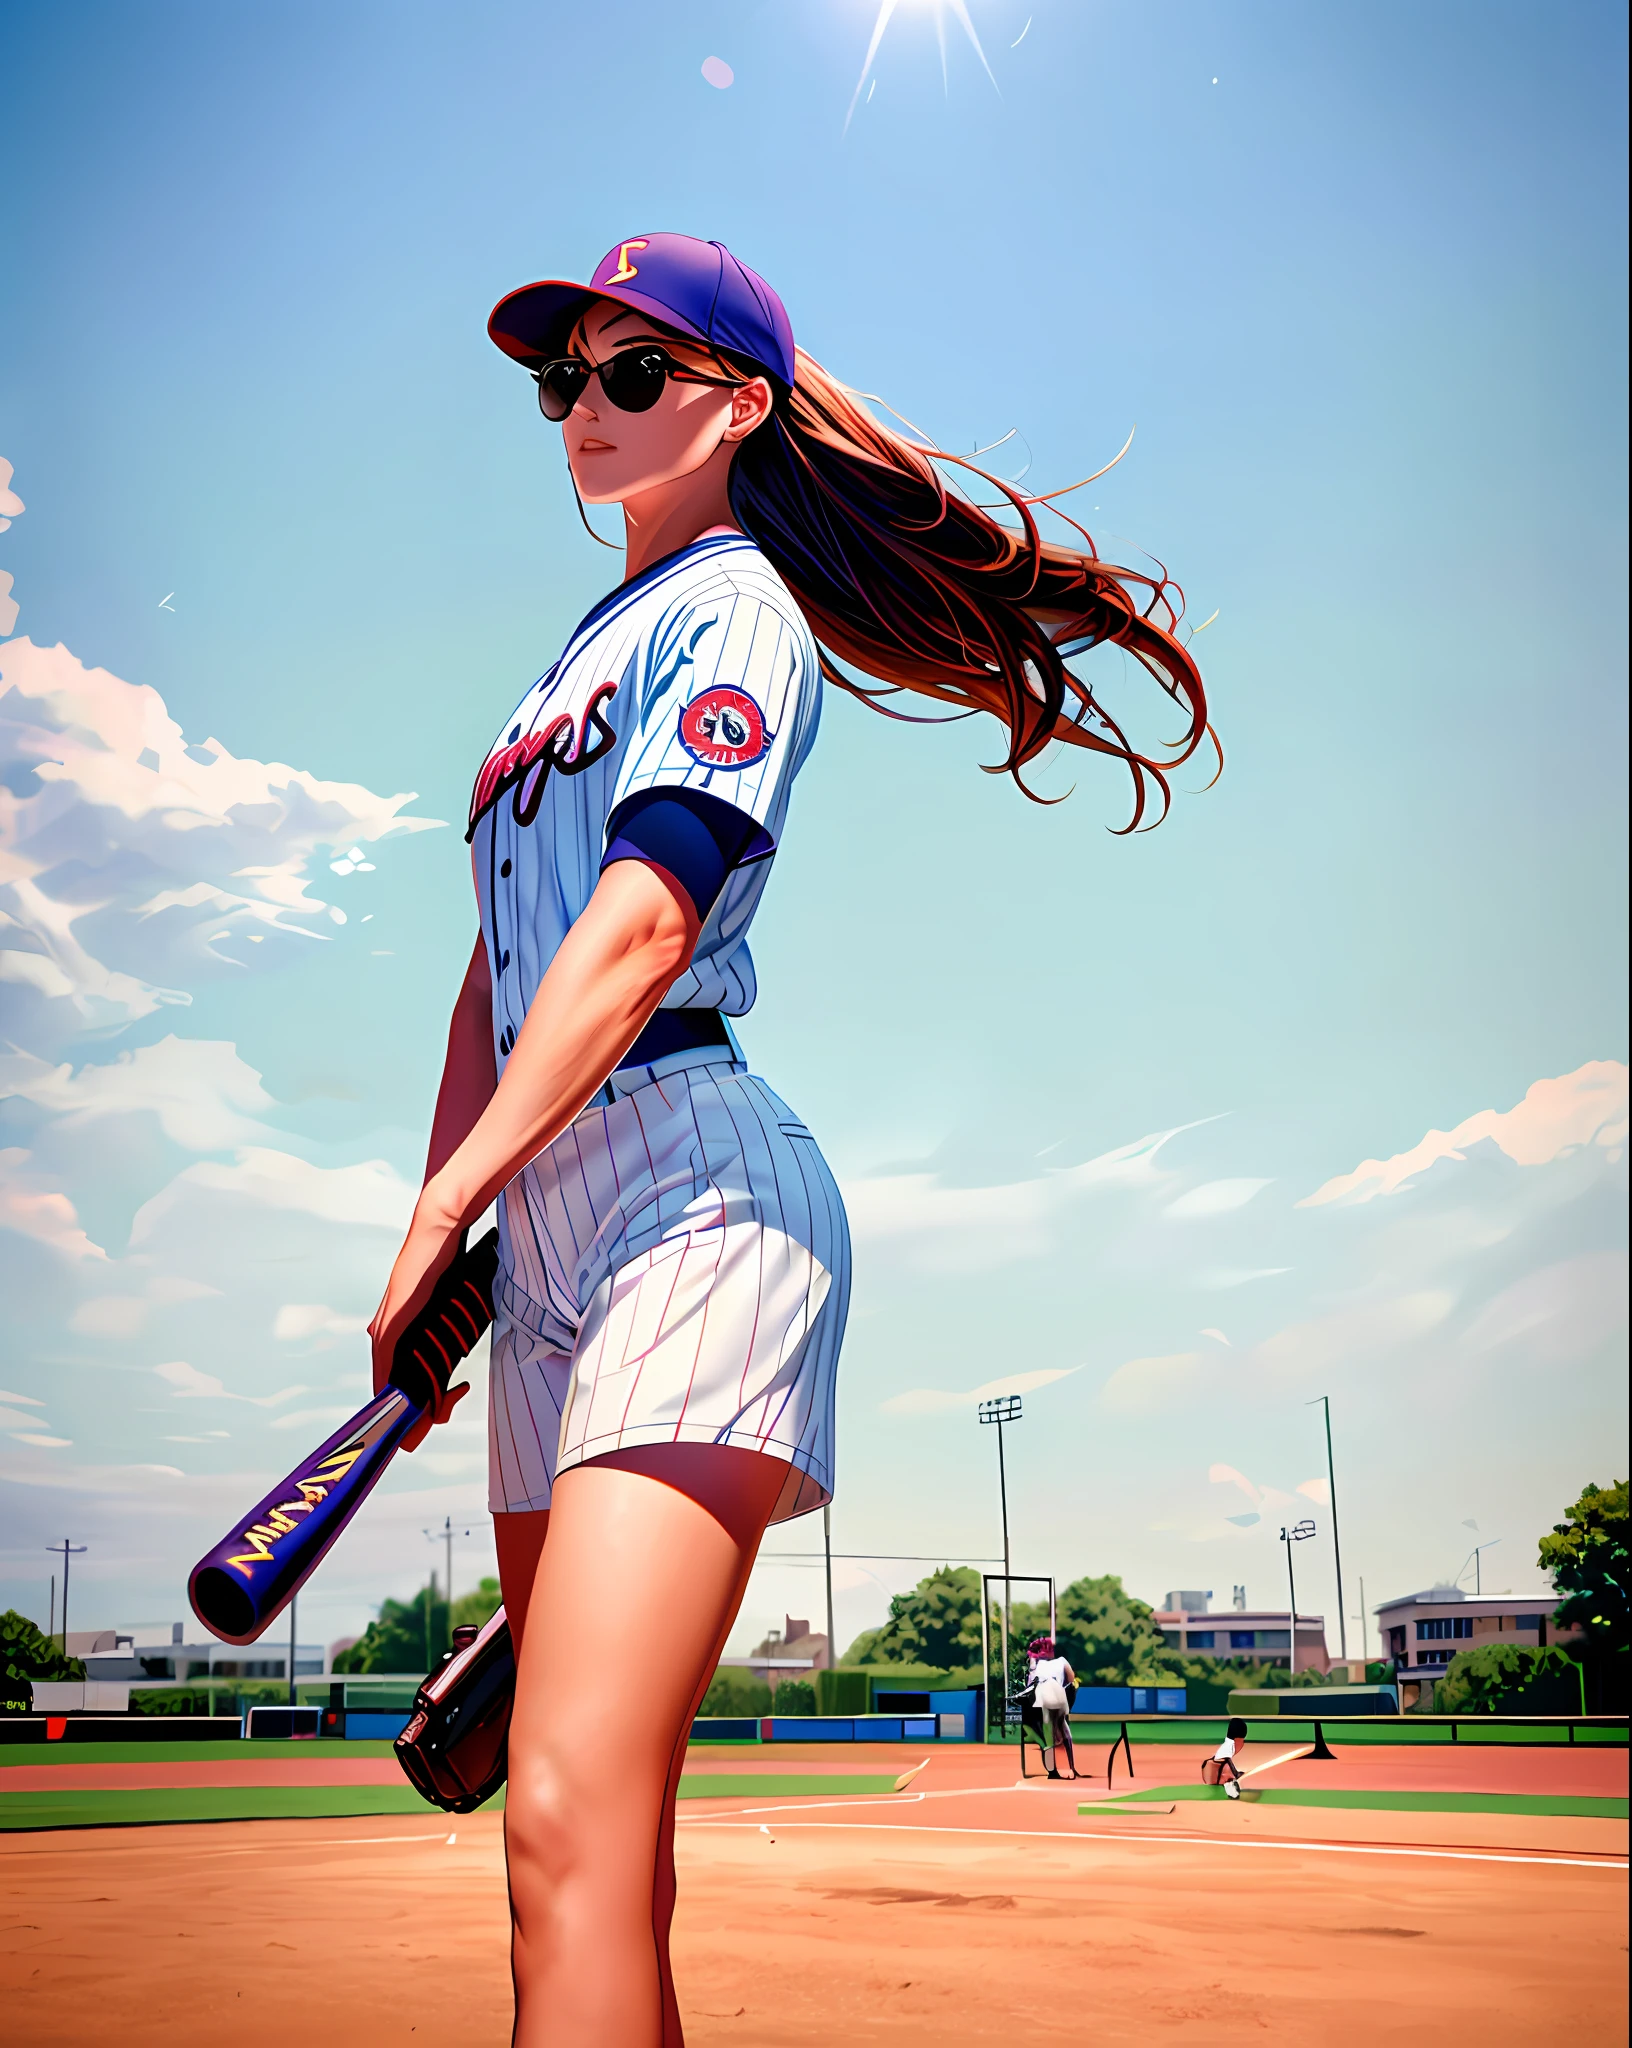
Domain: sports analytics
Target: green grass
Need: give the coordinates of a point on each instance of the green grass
(178, 1752)
(117, 1807)
(99, 1809)
(1405, 1730)
(770, 1785)
(1538, 1803)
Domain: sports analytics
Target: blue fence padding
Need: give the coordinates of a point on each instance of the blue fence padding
(966, 1703)
(373, 1727)
(821, 1728)
(1103, 1699)
(920, 1728)
(725, 1728)
(1170, 1699)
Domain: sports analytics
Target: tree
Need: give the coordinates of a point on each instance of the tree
(397, 1640)
(1107, 1635)
(937, 1623)
(406, 1638)
(477, 1609)
(25, 1655)
(1509, 1678)
(735, 1693)
(1586, 1558)
(795, 1696)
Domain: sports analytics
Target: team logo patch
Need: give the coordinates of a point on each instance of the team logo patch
(724, 728)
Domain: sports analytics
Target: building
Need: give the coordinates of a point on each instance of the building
(793, 1651)
(1246, 1634)
(154, 1655)
(1427, 1629)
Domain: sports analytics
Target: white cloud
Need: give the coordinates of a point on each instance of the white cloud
(14, 1418)
(297, 1319)
(313, 1418)
(1147, 1386)
(203, 1095)
(132, 850)
(187, 1383)
(1560, 1313)
(1588, 1107)
(971, 1229)
(1369, 1331)
(935, 1401)
(27, 1400)
(371, 1192)
(45, 1443)
(1215, 1198)
(44, 1214)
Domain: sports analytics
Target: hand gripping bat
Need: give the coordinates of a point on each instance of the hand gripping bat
(239, 1588)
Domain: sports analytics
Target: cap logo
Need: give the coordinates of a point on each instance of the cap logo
(625, 269)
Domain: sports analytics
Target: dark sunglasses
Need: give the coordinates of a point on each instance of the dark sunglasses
(633, 380)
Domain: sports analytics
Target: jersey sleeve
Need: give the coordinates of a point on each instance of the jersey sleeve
(727, 707)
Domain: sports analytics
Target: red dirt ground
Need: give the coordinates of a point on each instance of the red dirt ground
(968, 1915)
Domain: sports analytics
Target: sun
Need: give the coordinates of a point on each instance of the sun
(941, 9)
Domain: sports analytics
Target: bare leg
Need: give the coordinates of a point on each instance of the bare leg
(519, 1539)
(647, 1560)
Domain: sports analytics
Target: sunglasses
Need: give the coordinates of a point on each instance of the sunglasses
(633, 380)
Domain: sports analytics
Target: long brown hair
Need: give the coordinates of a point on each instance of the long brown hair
(917, 585)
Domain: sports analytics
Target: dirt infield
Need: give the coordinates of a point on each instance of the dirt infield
(943, 1918)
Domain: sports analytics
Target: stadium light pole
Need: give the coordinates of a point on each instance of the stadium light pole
(68, 1550)
(1324, 1402)
(827, 1562)
(1005, 1409)
(1473, 1559)
(1300, 1532)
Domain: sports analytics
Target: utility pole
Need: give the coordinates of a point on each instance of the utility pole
(1005, 1409)
(445, 1535)
(827, 1558)
(68, 1550)
(292, 1605)
(51, 1631)
(1337, 1553)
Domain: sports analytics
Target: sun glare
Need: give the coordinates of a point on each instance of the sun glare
(941, 9)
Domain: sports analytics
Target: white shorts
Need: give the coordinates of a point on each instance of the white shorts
(675, 1268)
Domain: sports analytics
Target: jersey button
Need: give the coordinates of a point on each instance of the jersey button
(504, 867)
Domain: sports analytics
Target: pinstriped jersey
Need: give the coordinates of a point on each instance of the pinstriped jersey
(699, 674)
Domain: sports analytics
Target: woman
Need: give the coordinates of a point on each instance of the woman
(674, 1267)
(1053, 1685)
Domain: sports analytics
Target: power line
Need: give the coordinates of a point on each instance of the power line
(878, 1557)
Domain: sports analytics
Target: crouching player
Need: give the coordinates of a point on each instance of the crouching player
(1223, 1767)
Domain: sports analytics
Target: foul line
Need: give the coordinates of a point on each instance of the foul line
(1201, 1841)
(821, 1805)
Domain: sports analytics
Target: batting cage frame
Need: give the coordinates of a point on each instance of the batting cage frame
(999, 1714)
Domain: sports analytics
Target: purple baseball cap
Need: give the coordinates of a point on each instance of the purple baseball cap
(697, 288)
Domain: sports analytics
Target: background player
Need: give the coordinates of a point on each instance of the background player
(1053, 1684)
(1223, 1767)
(674, 1258)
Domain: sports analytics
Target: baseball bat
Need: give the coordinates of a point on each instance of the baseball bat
(241, 1586)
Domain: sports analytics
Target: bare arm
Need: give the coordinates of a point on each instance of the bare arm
(607, 978)
(468, 1071)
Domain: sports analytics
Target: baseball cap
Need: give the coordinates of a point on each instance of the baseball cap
(697, 288)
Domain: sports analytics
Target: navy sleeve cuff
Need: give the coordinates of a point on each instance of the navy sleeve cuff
(699, 839)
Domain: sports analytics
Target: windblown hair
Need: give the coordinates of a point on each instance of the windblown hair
(918, 586)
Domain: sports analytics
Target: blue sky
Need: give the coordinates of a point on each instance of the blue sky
(1357, 278)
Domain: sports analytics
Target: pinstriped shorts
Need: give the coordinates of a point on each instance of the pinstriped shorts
(675, 1268)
